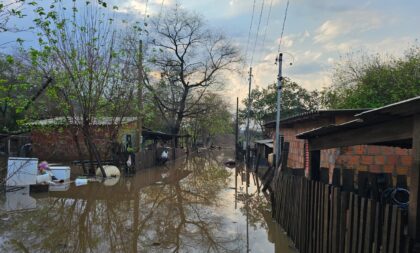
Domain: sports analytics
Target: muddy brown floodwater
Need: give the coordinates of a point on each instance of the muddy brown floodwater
(192, 205)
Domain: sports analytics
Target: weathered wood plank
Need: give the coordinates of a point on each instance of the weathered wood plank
(343, 219)
(393, 130)
(377, 224)
(362, 224)
(356, 222)
(398, 235)
(414, 209)
(393, 228)
(325, 219)
(349, 225)
(335, 222)
(369, 216)
(384, 244)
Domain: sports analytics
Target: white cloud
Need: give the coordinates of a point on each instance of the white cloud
(327, 31)
(351, 22)
(313, 81)
(287, 42)
(140, 7)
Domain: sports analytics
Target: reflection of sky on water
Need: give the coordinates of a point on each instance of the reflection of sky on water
(189, 209)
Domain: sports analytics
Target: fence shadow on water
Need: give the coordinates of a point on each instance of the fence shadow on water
(323, 218)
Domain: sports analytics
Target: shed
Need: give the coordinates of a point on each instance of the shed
(395, 125)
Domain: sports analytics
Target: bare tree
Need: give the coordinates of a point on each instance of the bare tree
(189, 59)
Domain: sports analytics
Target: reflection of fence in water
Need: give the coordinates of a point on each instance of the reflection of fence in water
(323, 218)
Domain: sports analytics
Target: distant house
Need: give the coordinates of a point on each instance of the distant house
(359, 158)
(53, 139)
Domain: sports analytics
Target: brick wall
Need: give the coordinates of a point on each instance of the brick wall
(369, 158)
(296, 157)
(375, 159)
(57, 143)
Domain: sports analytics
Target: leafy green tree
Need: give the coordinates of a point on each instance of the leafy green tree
(20, 86)
(92, 71)
(214, 118)
(295, 99)
(369, 81)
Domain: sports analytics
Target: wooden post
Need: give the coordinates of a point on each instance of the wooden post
(315, 165)
(8, 146)
(414, 210)
(237, 128)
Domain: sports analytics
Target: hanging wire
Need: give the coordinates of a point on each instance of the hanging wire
(250, 29)
(161, 9)
(267, 22)
(145, 10)
(284, 23)
(257, 33)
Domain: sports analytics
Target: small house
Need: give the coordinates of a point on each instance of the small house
(360, 159)
(55, 139)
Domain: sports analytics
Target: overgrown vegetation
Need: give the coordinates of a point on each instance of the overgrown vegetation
(370, 81)
(90, 63)
(359, 81)
(295, 99)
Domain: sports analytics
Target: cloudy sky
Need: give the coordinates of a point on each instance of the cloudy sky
(317, 33)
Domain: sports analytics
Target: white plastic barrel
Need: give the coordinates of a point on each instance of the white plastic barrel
(110, 170)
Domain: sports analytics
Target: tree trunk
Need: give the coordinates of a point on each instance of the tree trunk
(79, 150)
(180, 114)
(93, 152)
(140, 80)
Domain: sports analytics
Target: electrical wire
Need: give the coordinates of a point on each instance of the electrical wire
(250, 29)
(267, 22)
(145, 10)
(284, 23)
(257, 33)
(161, 10)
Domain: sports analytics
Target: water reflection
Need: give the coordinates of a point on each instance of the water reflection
(187, 206)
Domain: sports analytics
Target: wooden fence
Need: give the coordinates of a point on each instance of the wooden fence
(321, 218)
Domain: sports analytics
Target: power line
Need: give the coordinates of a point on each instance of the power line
(282, 29)
(266, 24)
(160, 12)
(258, 31)
(250, 29)
(145, 10)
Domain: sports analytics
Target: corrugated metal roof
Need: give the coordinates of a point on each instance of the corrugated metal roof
(314, 114)
(264, 141)
(393, 111)
(330, 129)
(403, 108)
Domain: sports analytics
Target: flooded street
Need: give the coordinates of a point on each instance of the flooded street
(186, 206)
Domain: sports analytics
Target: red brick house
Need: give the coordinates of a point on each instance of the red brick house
(367, 158)
(53, 139)
(392, 133)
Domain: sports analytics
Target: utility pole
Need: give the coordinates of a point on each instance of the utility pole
(140, 80)
(279, 60)
(237, 128)
(248, 136)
